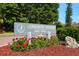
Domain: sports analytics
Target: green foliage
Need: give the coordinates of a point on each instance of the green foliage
(59, 25)
(69, 14)
(32, 13)
(68, 31)
(17, 45)
(39, 43)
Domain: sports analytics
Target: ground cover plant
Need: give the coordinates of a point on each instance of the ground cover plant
(22, 44)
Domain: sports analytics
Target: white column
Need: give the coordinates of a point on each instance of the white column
(49, 35)
(29, 37)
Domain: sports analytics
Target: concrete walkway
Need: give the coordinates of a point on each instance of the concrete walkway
(4, 40)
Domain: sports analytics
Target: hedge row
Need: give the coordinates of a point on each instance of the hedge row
(68, 31)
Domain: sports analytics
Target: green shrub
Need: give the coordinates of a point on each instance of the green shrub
(39, 43)
(68, 31)
(19, 45)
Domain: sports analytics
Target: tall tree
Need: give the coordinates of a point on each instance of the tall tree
(69, 14)
(7, 12)
(43, 13)
(33, 13)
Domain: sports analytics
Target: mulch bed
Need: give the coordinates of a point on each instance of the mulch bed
(59, 50)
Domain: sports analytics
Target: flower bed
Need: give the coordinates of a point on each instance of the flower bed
(22, 44)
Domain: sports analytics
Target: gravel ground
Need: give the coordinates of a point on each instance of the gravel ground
(50, 51)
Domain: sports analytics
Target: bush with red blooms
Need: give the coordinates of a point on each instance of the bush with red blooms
(17, 46)
(23, 38)
(22, 44)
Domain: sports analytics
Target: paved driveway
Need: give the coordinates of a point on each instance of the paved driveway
(4, 40)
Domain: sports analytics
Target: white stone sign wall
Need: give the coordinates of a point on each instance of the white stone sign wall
(35, 29)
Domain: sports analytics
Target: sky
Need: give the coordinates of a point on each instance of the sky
(75, 12)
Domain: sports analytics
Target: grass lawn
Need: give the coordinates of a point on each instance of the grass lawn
(6, 34)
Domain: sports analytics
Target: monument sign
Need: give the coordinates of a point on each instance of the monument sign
(35, 29)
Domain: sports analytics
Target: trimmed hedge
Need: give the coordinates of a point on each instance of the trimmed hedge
(68, 31)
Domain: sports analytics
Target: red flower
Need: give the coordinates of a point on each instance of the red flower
(23, 38)
(24, 45)
(17, 46)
